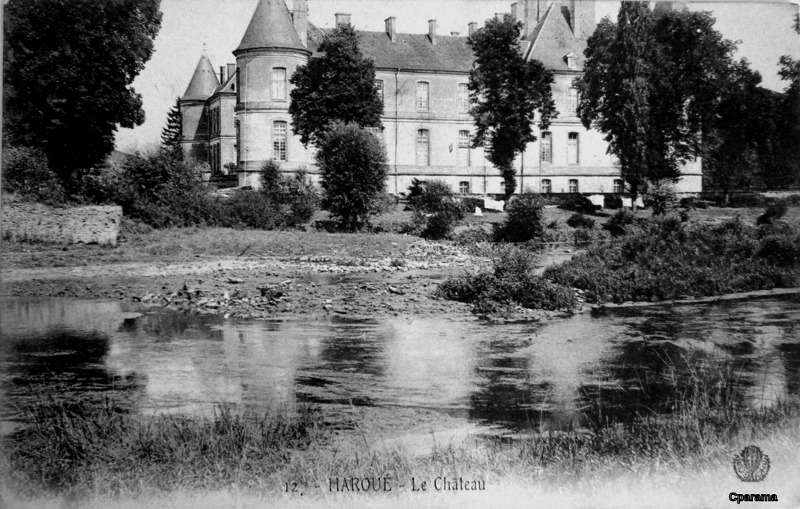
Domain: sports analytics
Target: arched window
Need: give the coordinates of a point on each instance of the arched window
(546, 151)
(278, 84)
(423, 147)
(573, 149)
(572, 102)
(279, 141)
(423, 96)
(573, 185)
(463, 149)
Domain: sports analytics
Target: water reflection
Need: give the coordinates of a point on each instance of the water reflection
(577, 372)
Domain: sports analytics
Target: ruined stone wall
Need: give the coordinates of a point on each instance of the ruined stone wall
(71, 225)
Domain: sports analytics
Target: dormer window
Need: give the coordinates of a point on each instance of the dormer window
(572, 60)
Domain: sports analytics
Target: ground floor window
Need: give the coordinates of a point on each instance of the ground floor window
(463, 148)
(279, 141)
(547, 186)
(463, 187)
(546, 152)
(619, 186)
(573, 149)
(573, 185)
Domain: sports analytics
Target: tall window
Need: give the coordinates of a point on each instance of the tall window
(572, 102)
(379, 89)
(238, 141)
(546, 152)
(278, 84)
(463, 98)
(619, 186)
(279, 141)
(423, 147)
(573, 147)
(547, 186)
(463, 187)
(463, 148)
(423, 89)
(573, 185)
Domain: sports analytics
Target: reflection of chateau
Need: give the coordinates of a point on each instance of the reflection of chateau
(240, 117)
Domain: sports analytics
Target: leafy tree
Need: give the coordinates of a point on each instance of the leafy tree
(651, 83)
(739, 141)
(353, 169)
(171, 133)
(786, 170)
(68, 71)
(339, 86)
(505, 92)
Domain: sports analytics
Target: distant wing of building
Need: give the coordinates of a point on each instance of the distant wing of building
(238, 118)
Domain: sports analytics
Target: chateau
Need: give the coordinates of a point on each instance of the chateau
(238, 118)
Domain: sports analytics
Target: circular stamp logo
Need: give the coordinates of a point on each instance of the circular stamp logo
(751, 465)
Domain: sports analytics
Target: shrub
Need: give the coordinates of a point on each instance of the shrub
(580, 221)
(437, 208)
(293, 199)
(353, 166)
(510, 283)
(661, 198)
(619, 223)
(247, 208)
(578, 203)
(613, 202)
(27, 173)
(773, 212)
(524, 219)
(781, 250)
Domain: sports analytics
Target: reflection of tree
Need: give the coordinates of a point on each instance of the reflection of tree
(790, 354)
(63, 364)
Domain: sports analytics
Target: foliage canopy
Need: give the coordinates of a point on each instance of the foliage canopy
(505, 93)
(339, 86)
(651, 84)
(69, 67)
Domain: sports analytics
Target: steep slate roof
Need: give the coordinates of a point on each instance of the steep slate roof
(270, 27)
(409, 51)
(553, 40)
(204, 81)
(226, 87)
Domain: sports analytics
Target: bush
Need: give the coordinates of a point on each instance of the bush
(781, 250)
(620, 222)
(293, 199)
(580, 221)
(578, 203)
(613, 202)
(353, 166)
(27, 174)
(247, 208)
(773, 212)
(524, 219)
(510, 283)
(661, 198)
(436, 209)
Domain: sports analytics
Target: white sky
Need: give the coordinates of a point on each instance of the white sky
(764, 29)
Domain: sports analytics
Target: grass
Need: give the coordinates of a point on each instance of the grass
(88, 452)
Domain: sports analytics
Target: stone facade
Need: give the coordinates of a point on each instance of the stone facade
(73, 225)
(244, 119)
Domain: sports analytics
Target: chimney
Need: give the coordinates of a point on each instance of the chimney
(517, 12)
(574, 19)
(300, 20)
(391, 28)
(531, 13)
(432, 30)
(342, 19)
(231, 70)
(472, 28)
(222, 74)
(455, 34)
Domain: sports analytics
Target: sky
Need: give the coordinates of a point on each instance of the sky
(191, 27)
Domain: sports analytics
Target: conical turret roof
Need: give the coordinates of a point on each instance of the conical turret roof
(270, 27)
(204, 82)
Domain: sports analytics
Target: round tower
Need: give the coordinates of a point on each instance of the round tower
(270, 52)
(194, 110)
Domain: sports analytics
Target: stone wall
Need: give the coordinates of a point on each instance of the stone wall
(73, 225)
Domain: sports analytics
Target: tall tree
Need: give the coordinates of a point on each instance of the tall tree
(339, 85)
(506, 91)
(786, 170)
(739, 141)
(171, 133)
(68, 71)
(651, 83)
